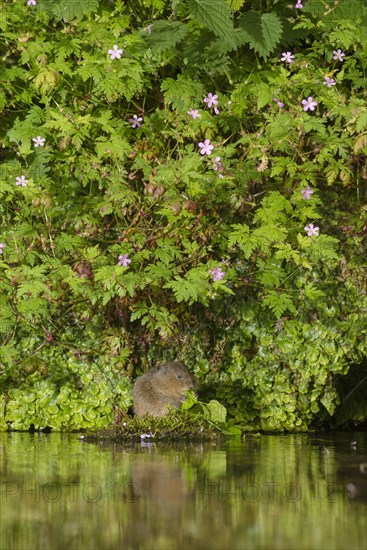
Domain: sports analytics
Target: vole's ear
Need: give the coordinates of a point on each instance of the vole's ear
(163, 367)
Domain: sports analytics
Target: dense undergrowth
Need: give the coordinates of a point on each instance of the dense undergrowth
(183, 179)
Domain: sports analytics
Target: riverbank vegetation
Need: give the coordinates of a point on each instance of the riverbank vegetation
(187, 180)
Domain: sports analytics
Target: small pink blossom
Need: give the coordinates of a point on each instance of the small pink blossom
(218, 166)
(38, 141)
(194, 113)
(338, 55)
(149, 29)
(206, 147)
(329, 81)
(124, 260)
(1, 247)
(298, 6)
(288, 57)
(309, 104)
(211, 100)
(21, 181)
(115, 53)
(279, 103)
(217, 163)
(311, 230)
(217, 274)
(135, 121)
(31, 2)
(306, 193)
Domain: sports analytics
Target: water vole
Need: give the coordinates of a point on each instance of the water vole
(162, 386)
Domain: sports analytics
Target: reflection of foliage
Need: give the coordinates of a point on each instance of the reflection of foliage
(146, 496)
(287, 315)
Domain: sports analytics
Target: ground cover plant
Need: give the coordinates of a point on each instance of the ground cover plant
(183, 179)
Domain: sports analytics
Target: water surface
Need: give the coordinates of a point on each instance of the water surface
(268, 492)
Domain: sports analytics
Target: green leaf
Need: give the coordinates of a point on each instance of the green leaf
(361, 122)
(241, 236)
(115, 147)
(323, 249)
(279, 303)
(214, 412)
(261, 32)
(235, 4)
(286, 252)
(68, 10)
(216, 16)
(165, 35)
(192, 288)
(181, 91)
(313, 293)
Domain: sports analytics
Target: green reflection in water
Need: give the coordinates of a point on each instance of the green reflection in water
(269, 492)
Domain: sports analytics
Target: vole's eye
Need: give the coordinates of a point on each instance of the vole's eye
(179, 376)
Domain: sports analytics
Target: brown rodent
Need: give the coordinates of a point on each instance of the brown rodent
(161, 387)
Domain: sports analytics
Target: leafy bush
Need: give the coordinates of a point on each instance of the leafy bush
(185, 179)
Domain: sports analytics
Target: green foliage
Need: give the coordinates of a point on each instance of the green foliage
(177, 425)
(215, 15)
(223, 272)
(261, 32)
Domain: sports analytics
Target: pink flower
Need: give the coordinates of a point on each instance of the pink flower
(329, 81)
(309, 104)
(1, 247)
(311, 230)
(124, 260)
(135, 121)
(21, 181)
(31, 2)
(288, 57)
(298, 6)
(218, 166)
(217, 163)
(38, 141)
(279, 103)
(338, 55)
(211, 100)
(217, 274)
(306, 193)
(194, 113)
(115, 53)
(206, 147)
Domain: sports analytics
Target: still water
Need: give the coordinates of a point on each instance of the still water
(264, 492)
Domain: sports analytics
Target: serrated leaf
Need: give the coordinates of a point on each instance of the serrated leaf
(361, 122)
(312, 293)
(235, 4)
(181, 91)
(360, 143)
(264, 94)
(115, 147)
(69, 9)
(191, 288)
(165, 35)
(261, 32)
(286, 252)
(156, 272)
(279, 303)
(324, 249)
(216, 16)
(241, 237)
